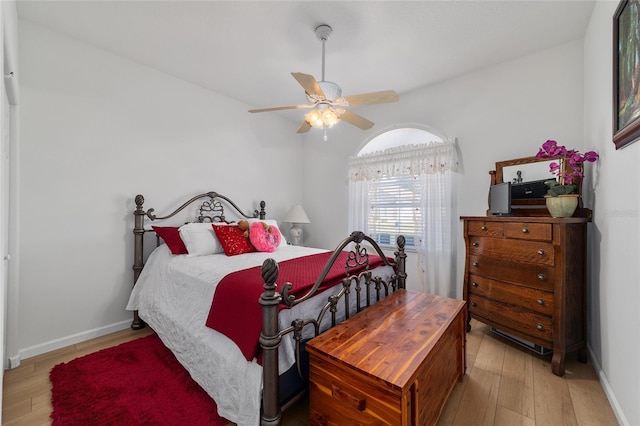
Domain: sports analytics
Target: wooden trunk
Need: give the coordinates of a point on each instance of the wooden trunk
(394, 363)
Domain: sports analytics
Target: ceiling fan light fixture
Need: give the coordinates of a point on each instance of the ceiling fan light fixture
(329, 118)
(320, 119)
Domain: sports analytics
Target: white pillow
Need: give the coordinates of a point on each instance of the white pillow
(283, 240)
(200, 239)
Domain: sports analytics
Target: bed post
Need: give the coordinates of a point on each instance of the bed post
(262, 213)
(138, 232)
(401, 261)
(271, 413)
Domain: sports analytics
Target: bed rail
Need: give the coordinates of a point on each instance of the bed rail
(271, 299)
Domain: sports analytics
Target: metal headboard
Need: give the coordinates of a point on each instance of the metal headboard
(211, 209)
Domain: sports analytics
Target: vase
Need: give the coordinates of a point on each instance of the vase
(562, 205)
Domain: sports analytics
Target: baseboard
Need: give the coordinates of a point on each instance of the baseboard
(14, 361)
(67, 341)
(611, 396)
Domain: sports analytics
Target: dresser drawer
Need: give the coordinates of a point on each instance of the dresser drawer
(524, 320)
(528, 231)
(535, 252)
(524, 274)
(525, 297)
(485, 229)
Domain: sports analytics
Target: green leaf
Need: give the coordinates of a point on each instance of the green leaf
(556, 190)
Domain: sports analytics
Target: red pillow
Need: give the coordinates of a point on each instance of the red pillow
(172, 239)
(232, 239)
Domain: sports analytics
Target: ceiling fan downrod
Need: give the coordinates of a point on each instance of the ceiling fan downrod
(322, 33)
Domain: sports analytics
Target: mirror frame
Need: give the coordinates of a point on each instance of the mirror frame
(499, 176)
(532, 206)
(527, 206)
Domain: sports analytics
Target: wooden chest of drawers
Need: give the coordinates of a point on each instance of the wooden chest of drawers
(394, 363)
(526, 276)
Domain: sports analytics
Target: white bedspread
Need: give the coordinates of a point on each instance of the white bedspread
(173, 295)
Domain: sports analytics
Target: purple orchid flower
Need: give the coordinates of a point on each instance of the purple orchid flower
(591, 156)
(570, 168)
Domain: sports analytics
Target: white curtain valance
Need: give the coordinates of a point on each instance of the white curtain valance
(408, 160)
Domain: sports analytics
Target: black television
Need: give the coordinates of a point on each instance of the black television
(535, 189)
(500, 199)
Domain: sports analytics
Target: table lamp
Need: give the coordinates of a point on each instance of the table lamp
(296, 217)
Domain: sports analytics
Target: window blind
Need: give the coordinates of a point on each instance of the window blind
(395, 210)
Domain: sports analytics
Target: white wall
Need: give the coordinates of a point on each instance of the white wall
(503, 112)
(614, 255)
(9, 98)
(8, 129)
(96, 130)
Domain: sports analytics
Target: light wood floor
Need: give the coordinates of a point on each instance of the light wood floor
(504, 385)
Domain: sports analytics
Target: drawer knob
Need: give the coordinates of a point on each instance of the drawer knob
(525, 230)
(475, 284)
(540, 302)
(542, 277)
(474, 304)
(541, 252)
(539, 326)
(475, 264)
(475, 244)
(484, 227)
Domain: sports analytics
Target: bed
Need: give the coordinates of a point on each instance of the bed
(246, 350)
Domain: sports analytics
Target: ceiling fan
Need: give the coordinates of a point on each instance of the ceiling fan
(325, 97)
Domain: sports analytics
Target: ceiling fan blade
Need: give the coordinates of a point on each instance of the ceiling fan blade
(280, 108)
(304, 127)
(373, 98)
(356, 120)
(309, 83)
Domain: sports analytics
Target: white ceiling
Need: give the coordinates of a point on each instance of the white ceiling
(247, 49)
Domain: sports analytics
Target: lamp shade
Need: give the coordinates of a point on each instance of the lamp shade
(296, 214)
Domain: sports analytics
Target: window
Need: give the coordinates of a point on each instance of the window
(394, 210)
(401, 183)
(395, 201)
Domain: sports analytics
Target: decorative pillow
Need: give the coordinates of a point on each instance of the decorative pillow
(171, 237)
(200, 239)
(264, 237)
(283, 241)
(232, 240)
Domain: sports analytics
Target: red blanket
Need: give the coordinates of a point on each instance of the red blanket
(236, 311)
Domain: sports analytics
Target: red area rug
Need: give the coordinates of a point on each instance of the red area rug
(136, 383)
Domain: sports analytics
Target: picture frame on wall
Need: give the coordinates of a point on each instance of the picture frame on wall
(626, 73)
